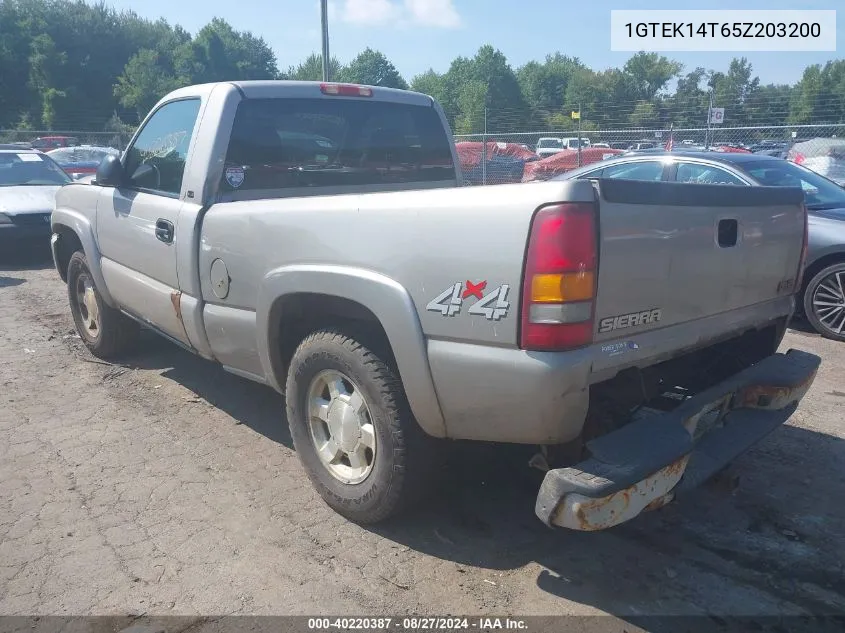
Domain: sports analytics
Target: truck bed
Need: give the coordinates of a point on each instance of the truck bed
(665, 283)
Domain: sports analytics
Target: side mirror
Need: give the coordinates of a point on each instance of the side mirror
(110, 173)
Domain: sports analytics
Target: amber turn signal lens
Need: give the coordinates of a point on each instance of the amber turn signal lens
(561, 288)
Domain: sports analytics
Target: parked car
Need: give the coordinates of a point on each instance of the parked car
(822, 293)
(16, 145)
(767, 147)
(28, 184)
(604, 145)
(45, 143)
(81, 160)
(572, 142)
(825, 156)
(505, 162)
(642, 145)
(393, 306)
(731, 149)
(548, 146)
(561, 162)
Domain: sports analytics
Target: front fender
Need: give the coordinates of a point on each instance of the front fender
(390, 303)
(81, 226)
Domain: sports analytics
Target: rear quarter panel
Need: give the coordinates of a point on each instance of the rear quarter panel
(426, 240)
(827, 237)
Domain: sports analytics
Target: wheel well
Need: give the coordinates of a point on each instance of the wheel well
(814, 268)
(67, 245)
(294, 316)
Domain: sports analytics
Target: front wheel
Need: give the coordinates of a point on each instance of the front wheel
(105, 331)
(352, 428)
(824, 302)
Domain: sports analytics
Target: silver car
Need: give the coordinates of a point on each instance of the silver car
(28, 184)
(823, 289)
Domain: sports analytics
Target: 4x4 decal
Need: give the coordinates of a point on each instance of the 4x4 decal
(493, 306)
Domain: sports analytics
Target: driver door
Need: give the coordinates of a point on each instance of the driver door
(136, 223)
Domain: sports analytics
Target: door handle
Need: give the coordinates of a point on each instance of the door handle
(164, 231)
(727, 232)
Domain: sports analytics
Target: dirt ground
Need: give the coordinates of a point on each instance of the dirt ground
(167, 486)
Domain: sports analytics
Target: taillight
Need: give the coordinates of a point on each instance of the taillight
(559, 285)
(346, 90)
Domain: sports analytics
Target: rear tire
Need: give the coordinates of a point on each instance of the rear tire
(824, 302)
(106, 332)
(353, 429)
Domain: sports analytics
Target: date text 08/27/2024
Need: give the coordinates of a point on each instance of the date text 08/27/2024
(417, 623)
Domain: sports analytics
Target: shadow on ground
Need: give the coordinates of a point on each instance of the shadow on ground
(781, 531)
(8, 282)
(257, 406)
(800, 325)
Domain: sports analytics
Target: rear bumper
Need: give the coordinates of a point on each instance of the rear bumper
(646, 463)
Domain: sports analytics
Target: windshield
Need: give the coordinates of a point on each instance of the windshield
(820, 193)
(549, 142)
(30, 169)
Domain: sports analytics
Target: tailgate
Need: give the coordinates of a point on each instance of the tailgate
(671, 253)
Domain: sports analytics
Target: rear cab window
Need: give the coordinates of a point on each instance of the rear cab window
(295, 143)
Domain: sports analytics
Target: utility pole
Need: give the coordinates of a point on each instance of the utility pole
(709, 115)
(579, 134)
(324, 14)
(484, 147)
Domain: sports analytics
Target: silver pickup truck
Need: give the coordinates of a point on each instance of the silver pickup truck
(316, 238)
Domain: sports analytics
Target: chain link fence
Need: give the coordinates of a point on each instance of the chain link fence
(50, 139)
(511, 156)
(496, 157)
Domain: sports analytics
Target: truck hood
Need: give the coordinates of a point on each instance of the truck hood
(27, 199)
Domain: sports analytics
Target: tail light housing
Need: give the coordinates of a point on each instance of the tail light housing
(559, 284)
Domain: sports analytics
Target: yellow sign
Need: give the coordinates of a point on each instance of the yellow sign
(576, 115)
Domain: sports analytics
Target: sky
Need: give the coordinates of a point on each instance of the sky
(420, 34)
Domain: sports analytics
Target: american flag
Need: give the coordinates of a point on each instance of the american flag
(671, 142)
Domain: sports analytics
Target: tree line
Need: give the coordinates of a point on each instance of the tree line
(66, 64)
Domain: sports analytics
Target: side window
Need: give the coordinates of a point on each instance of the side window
(156, 161)
(591, 175)
(705, 175)
(640, 170)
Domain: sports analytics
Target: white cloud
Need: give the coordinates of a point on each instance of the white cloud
(375, 12)
(331, 10)
(439, 13)
(426, 13)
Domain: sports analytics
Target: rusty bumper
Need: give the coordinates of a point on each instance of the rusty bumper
(646, 463)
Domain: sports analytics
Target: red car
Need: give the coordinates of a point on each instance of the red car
(45, 143)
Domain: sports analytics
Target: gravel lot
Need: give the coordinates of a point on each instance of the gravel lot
(166, 486)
